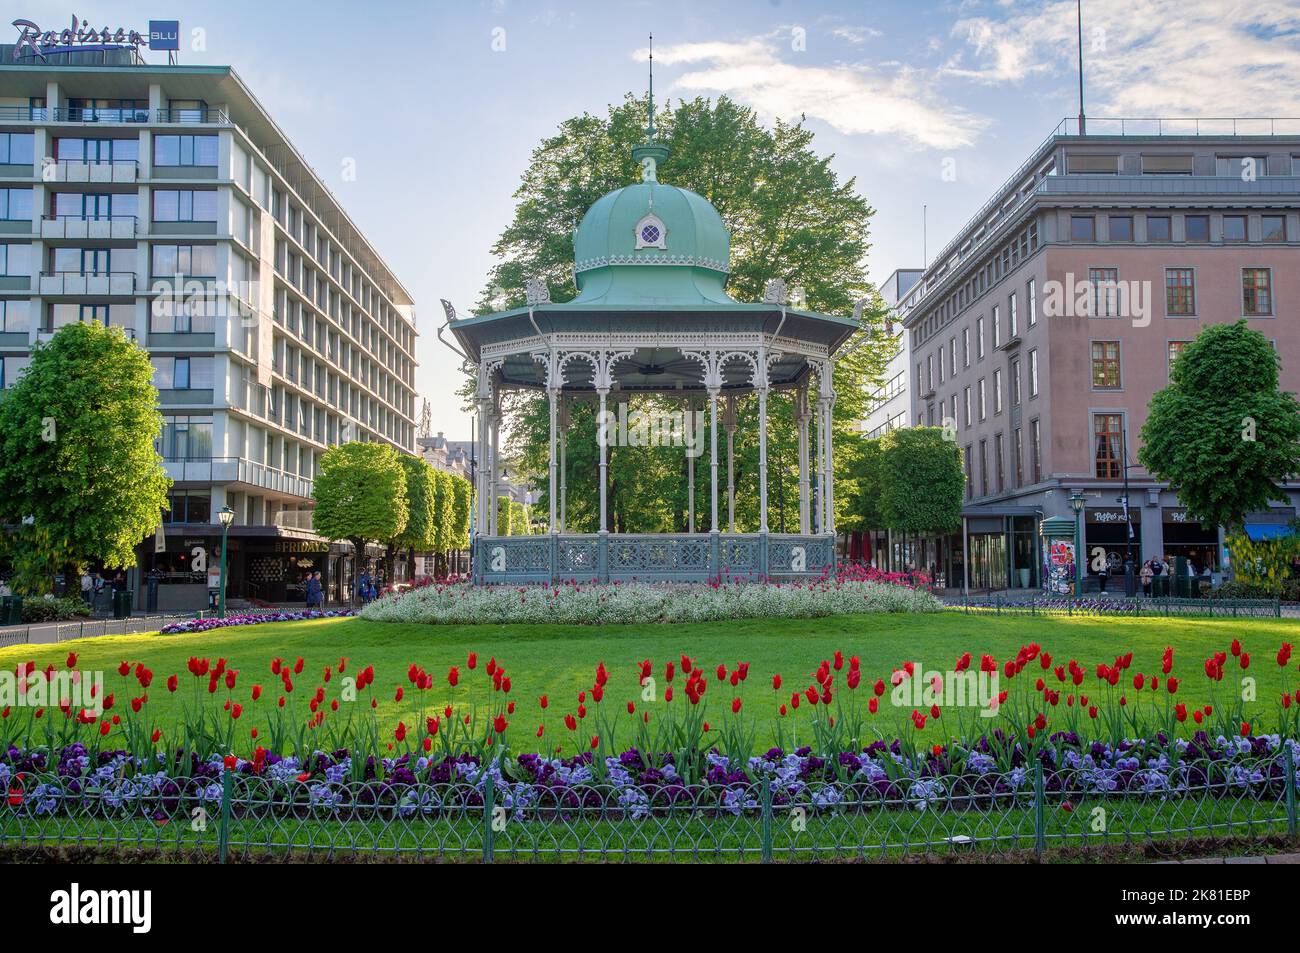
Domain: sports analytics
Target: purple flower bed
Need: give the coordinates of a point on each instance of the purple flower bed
(253, 618)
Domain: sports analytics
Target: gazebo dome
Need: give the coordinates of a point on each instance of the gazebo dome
(654, 244)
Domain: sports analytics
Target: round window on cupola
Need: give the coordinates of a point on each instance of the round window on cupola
(651, 232)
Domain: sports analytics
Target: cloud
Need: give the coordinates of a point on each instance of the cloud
(1147, 57)
(855, 99)
(855, 34)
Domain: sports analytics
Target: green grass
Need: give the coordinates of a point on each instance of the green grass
(560, 661)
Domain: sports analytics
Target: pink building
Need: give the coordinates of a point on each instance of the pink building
(1041, 332)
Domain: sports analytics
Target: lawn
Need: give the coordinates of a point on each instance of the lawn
(560, 661)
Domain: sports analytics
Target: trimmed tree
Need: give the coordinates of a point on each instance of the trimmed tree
(1221, 434)
(460, 514)
(79, 473)
(418, 533)
(921, 481)
(360, 495)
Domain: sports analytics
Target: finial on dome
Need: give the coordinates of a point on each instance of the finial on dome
(650, 153)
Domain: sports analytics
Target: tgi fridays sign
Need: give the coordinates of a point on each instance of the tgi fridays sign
(81, 36)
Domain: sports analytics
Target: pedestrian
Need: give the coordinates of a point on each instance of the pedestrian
(87, 587)
(1103, 575)
(363, 586)
(1146, 575)
(313, 590)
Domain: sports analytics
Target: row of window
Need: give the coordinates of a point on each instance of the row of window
(169, 205)
(998, 266)
(1195, 228)
(994, 479)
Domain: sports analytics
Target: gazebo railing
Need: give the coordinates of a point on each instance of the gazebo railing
(650, 557)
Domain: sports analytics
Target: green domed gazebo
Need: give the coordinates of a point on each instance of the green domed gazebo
(652, 315)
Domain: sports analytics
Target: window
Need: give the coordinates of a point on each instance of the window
(17, 148)
(1234, 228)
(1017, 450)
(1196, 228)
(1015, 383)
(186, 438)
(185, 150)
(1105, 365)
(979, 338)
(965, 347)
(1107, 430)
(997, 391)
(998, 463)
(1105, 292)
(189, 260)
(983, 403)
(98, 206)
(182, 373)
(1167, 165)
(1013, 319)
(1121, 228)
(968, 406)
(1180, 291)
(1037, 450)
(929, 372)
(1246, 168)
(966, 464)
(15, 315)
(1031, 303)
(1033, 373)
(16, 205)
(1158, 228)
(1093, 164)
(1273, 228)
(184, 206)
(1256, 291)
(188, 507)
(97, 151)
(995, 318)
(952, 356)
(16, 260)
(1175, 349)
(1082, 228)
(984, 468)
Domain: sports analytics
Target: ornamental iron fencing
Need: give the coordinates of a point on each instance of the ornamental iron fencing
(482, 815)
(1034, 604)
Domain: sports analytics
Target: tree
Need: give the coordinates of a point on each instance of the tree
(418, 533)
(863, 505)
(80, 475)
(360, 495)
(789, 216)
(1221, 434)
(460, 514)
(921, 481)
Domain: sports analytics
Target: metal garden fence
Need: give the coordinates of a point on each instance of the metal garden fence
(1028, 810)
(1118, 606)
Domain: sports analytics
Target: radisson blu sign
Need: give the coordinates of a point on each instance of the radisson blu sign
(82, 37)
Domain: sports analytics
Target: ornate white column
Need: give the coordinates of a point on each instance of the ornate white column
(565, 420)
(825, 401)
(801, 417)
(713, 460)
(687, 419)
(554, 393)
(730, 424)
(760, 380)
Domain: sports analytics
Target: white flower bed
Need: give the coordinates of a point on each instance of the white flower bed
(644, 602)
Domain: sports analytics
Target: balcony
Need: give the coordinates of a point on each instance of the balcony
(119, 283)
(81, 226)
(296, 519)
(79, 170)
(238, 470)
(132, 115)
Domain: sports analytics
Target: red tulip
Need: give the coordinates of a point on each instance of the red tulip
(735, 706)
(499, 723)
(776, 682)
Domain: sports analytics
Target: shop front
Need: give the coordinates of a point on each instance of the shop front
(1185, 536)
(1109, 538)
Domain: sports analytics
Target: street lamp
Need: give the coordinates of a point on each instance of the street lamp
(1077, 500)
(226, 516)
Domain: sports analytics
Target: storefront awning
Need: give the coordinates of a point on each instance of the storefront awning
(1262, 531)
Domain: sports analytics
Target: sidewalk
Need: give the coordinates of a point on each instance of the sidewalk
(1255, 859)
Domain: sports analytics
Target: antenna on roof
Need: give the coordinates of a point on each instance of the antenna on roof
(1083, 122)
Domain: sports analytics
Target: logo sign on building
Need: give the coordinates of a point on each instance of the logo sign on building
(82, 37)
(165, 35)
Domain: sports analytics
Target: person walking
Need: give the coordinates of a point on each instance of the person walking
(313, 590)
(363, 586)
(1146, 575)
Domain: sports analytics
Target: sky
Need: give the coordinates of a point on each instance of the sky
(925, 103)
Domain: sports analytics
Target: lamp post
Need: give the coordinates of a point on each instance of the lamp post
(1077, 500)
(226, 516)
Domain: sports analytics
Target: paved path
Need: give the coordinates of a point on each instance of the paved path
(1255, 859)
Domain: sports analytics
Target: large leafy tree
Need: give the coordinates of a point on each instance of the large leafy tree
(790, 217)
(921, 481)
(361, 495)
(460, 510)
(80, 478)
(1221, 433)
